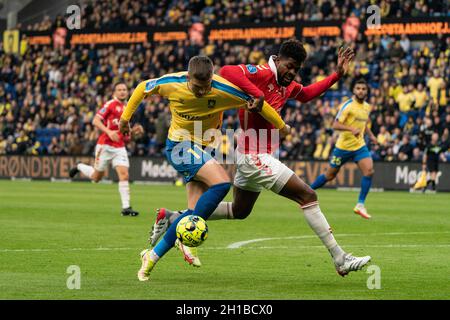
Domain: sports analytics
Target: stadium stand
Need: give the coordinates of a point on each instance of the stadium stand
(48, 96)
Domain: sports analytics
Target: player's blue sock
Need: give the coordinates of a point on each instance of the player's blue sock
(205, 206)
(366, 182)
(164, 244)
(319, 182)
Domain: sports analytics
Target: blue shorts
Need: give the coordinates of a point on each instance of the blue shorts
(187, 157)
(339, 156)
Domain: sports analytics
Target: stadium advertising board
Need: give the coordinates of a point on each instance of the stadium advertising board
(389, 175)
(415, 28)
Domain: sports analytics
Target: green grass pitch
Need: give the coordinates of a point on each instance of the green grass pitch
(47, 227)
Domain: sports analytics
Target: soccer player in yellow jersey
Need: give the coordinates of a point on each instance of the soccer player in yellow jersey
(352, 120)
(197, 99)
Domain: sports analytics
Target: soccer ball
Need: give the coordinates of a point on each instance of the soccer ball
(192, 230)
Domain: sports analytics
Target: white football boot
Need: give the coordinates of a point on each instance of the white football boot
(350, 264)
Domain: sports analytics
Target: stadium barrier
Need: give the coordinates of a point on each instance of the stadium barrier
(388, 175)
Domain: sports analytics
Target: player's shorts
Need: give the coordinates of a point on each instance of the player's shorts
(254, 172)
(432, 165)
(104, 154)
(187, 157)
(339, 157)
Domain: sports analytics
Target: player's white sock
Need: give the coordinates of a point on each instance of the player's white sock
(223, 211)
(124, 190)
(319, 224)
(153, 256)
(85, 169)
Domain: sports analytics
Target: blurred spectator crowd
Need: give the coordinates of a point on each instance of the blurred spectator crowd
(48, 96)
(115, 14)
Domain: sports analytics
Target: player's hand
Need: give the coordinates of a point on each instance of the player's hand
(257, 105)
(113, 135)
(124, 127)
(356, 132)
(345, 56)
(285, 131)
(137, 131)
(374, 140)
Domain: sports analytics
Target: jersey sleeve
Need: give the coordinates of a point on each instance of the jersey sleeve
(143, 90)
(104, 111)
(240, 76)
(343, 113)
(305, 94)
(271, 115)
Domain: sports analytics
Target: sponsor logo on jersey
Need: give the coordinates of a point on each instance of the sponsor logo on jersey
(251, 68)
(211, 103)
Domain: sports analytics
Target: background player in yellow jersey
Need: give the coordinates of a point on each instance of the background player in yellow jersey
(197, 100)
(351, 121)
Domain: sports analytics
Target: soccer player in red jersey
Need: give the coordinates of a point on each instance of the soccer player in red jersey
(111, 147)
(257, 168)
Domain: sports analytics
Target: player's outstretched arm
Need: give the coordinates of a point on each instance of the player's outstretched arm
(135, 99)
(316, 89)
(345, 57)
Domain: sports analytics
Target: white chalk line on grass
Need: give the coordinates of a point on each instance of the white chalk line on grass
(237, 245)
(226, 248)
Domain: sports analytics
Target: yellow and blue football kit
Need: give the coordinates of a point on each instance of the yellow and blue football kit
(187, 144)
(348, 146)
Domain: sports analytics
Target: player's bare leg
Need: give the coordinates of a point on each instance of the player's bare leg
(87, 171)
(124, 191)
(366, 167)
(322, 179)
(240, 208)
(298, 191)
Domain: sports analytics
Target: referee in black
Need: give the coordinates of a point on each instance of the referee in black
(434, 151)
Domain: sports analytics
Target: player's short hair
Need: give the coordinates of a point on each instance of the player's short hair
(201, 68)
(293, 49)
(360, 81)
(118, 83)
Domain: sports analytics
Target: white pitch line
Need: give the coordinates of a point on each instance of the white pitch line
(237, 245)
(446, 245)
(66, 249)
(240, 244)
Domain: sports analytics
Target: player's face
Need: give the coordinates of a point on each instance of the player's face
(360, 91)
(199, 87)
(121, 92)
(287, 69)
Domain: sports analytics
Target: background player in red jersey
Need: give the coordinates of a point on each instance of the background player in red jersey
(256, 167)
(111, 147)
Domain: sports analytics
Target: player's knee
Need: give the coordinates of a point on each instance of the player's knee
(370, 172)
(241, 213)
(97, 176)
(124, 177)
(309, 195)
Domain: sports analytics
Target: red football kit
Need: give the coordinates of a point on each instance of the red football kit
(261, 80)
(110, 114)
